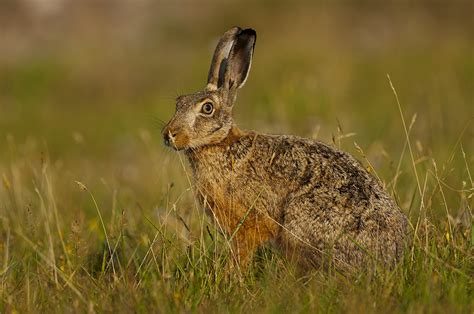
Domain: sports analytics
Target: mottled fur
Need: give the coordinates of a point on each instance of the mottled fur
(318, 204)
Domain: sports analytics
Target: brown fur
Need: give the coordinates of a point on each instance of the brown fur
(318, 204)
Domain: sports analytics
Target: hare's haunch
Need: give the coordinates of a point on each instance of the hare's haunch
(318, 204)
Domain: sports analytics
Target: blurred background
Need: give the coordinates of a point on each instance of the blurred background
(89, 84)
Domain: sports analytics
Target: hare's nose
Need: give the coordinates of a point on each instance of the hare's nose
(169, 136)
(166, 139)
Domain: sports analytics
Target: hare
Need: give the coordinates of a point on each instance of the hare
(316, 203)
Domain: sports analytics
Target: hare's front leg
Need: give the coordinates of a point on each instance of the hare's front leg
(244, 245)
(250, 235)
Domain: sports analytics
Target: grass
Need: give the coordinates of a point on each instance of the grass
(97, 216)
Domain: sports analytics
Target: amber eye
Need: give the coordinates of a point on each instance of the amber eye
(207, 108)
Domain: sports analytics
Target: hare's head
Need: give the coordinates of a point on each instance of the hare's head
(205, 117)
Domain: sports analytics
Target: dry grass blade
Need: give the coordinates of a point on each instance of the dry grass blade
(53, 264)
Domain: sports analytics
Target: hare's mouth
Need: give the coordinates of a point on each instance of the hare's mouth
(176, 141)
(175, 147)
(172, 146)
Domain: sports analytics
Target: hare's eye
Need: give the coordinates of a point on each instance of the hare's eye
(207, 108)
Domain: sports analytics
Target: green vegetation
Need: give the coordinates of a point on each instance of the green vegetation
(97, 215)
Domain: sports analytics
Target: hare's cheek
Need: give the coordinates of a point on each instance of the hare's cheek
(191, 120)
(202, 125)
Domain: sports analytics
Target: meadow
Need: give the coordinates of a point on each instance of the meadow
(97, 215)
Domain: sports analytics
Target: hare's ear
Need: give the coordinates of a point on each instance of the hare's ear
(240, 59)
(215, 79)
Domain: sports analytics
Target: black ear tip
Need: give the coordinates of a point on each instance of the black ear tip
(249, 32)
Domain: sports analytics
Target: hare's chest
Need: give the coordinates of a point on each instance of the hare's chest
(214, 188)
(218, 195)
(224, 210)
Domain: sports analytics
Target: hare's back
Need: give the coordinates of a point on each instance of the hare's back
(308, 165)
